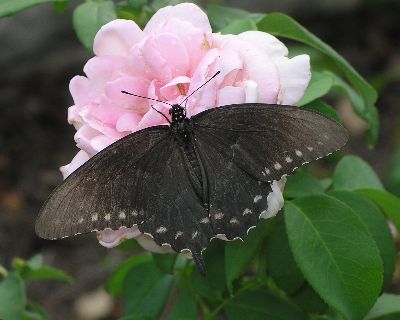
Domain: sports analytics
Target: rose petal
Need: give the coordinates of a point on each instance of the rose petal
(266, 42)
(79, 87)
(80, 158)
(275, 199)
(294, 75)
(185, 12)
(116, 38)
(231, 95)
(128, 122)
(112, 238)
(83, 138)
(171, 90)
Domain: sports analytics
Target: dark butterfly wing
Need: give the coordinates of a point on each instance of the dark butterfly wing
(141, 179)
(269, 141)
(244, 148)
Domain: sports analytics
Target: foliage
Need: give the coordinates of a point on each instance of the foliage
(13, 301)
(330, 256)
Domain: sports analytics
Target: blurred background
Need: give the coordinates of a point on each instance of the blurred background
(40, 53)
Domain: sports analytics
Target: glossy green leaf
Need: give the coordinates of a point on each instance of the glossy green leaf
(34, 312)
(238, 254)
(260, 304)
(116, 281)
(353, 173)
(282, 25)
(281, 265)
(145, 291)
(323, 108)
(377, 225)
(221, 16)
(10, 7)
(320, 84)
(335, 252)
(301, 183)
(158, 4)
(45, 273)
(12, 297)
(89, 17)
(185, 308)
(36, 262)
(61, 5)
(392, 180)
(165, 262)
(239, 26)
(214, 257)
(128, 244)
(389, 203)
(308, 300)
(386, 308)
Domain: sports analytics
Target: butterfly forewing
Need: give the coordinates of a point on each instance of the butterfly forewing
(269, 141)
(93, 197)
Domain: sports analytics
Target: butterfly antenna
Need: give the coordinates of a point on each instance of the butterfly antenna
(136, 95)
(161, 114)
(217, 73)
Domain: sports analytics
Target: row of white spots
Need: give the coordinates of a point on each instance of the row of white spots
(107, 217)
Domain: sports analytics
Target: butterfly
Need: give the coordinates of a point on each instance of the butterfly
(192, 180)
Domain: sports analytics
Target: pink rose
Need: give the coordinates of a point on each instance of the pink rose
(174, 54)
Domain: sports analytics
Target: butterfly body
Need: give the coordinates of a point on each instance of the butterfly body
(199, 178)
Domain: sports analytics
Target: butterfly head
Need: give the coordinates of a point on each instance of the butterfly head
(177, 113)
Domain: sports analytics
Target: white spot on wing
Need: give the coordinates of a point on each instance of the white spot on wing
(195, 234)
(299, 153)
(107, 217)
(122, 215)
(234, 221)
(94, 217)
(178, 234)
(288, 159)
(247, 211)
(257, 198)
(205, 220)
(267, 171)
(80, 221)
(277, 166)
(218, 216)
(161, 229)
(310, 148)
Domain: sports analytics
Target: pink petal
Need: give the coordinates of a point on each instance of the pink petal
(251, 91)
(116, 38)
(100, 69)
(152, 118)
(230, 95)
(79, 87)
(294, 75)
(100, 142)
(128, 122)
(149, 244)
(112, 238)
(74, 117)
(80, 158)
(83, 138)
(133, 85)
(266, 42)
(170, 91)
(185, 12)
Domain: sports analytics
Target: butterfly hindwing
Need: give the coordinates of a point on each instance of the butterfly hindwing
(269, 141)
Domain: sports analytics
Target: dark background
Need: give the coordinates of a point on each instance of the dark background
(40, 54)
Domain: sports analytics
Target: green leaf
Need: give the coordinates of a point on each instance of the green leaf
(323, 108)
(386, 308)
(261, 304)
(12, 297)
(353, 173)
(377, 225)
(36, 262)
(61, 5)
(214, 257)
(45, 273)
(388, 202)
(282, 25)
(137, 4)
(34, 312)
(308, 300)
(320, 84)
(89, 17)
(238, 254)
(116, 282)
(128, 244)
(165, 262)
(145, 291)
(185, 308)
(222, 16)
(10, 7)
(392, 180)
(239, 26)
(335, 252)
(158, 4)
(281, 265)
(301, 183)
